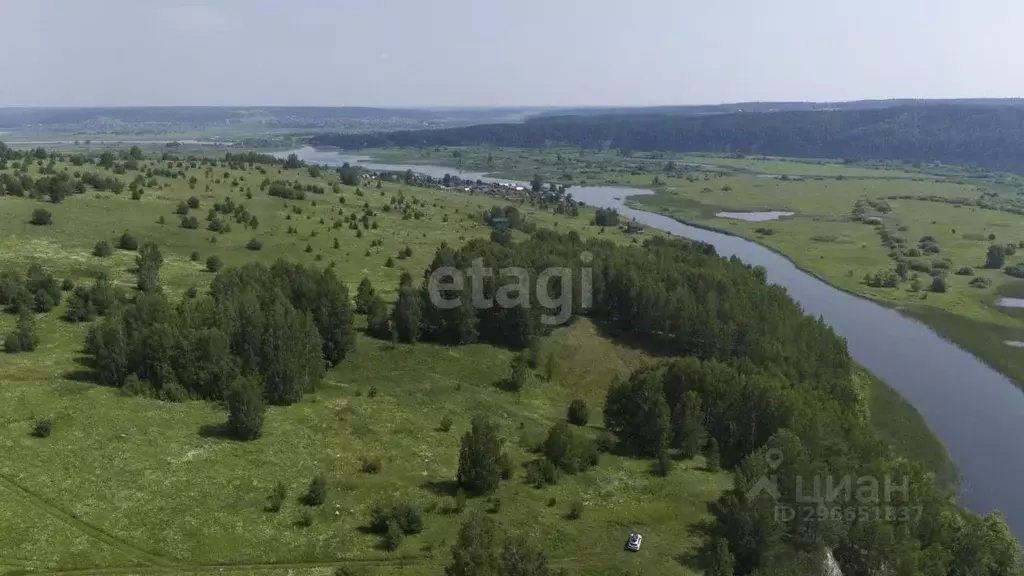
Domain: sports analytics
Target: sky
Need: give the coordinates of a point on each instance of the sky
(409, 53)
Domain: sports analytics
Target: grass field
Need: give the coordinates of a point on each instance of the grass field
(821, 237)
(129, 485)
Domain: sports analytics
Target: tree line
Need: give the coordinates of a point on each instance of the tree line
(990, 136)
(677, 295)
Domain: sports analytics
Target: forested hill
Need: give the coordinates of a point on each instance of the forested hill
(983, 135)
(702, 109)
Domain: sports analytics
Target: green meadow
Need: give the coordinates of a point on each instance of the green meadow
(131, 485)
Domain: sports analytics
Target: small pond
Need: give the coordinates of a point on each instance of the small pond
(754, 216)
(1010, 302)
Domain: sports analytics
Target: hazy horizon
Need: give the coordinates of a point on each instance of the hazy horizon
(482, 107)
(521, 54)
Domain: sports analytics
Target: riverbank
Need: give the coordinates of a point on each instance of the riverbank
(968, 322)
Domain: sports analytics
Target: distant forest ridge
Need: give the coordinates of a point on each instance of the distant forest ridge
(694, 110)
(983, 133)
(13, 118)
(16, 117)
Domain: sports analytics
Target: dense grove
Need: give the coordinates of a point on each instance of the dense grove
(676, 295)
(283, 325)
(985, 135)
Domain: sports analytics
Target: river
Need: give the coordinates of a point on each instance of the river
(976, 412)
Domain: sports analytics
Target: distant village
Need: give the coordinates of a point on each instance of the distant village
(555, 196)
(505, 190)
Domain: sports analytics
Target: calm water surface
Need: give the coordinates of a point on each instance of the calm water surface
(754, 216)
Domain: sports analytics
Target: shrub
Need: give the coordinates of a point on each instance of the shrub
(576, 510)
(713, 456)
(390, 263)
(102, 249)
(193, 202)
(578, 414)
(380, 517)
(569, 450)
(316, 494)
(965, 271)
(305, 519)
(277, 497)
(541, 472)
(41, 217)
(606, 441)
(134, 386)
(505, 465)
(939, 284)
(408, 518)
(371, 466)
(254, 244)
(662, 466)
(194, 257)
(479, 455)
(519, 374)
(23, 338)
(182, 209)
(552, 502)
(42, 428)
(213, 263)
(67, 285)
(175, 392)
(128, 242)
(245, 408)
(393, 539)
(446, 424)
(995, 257)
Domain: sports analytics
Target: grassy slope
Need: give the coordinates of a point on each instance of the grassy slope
(900, 425)
(130, 482)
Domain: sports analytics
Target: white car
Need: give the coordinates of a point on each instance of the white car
(634, 542)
